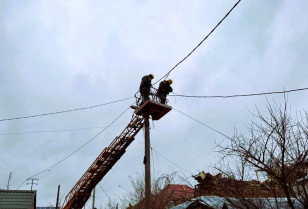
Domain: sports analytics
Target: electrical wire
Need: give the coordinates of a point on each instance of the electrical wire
(172, 162)
(213, 129)
(167, 158)
(55, 131)
(104, 191)
(156, 156)
(65, 111)
(242, 95)
(54, 165)
(153, 161)
(167, 74)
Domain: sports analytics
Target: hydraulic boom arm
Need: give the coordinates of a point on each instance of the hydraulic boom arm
(81, 192)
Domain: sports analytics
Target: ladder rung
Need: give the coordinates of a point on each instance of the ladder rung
(106, 154)
(99, 162)
(84, 194)
(116, 152)
(92, 170)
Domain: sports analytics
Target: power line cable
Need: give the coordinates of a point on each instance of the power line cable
(167, 159)
(156, 156)
(167, 74)
(203, 124)
(104, 191)
(53, 166)
(153, 160)
(242, 95)
(55, 131)
(65, 111)
(172, 162)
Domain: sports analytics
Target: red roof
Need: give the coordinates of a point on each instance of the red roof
(176, 191)
(172, 194)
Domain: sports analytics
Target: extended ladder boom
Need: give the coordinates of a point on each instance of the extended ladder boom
(81, 192)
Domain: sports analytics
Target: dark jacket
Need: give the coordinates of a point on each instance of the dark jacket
(164, 88)
(145, 85)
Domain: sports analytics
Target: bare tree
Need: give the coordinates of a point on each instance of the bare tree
(277, 147)
(135, 193)
(111, 204)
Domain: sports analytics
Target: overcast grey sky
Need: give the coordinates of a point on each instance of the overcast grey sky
(59, 55)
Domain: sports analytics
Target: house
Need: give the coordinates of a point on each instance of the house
(218, 192)
(171, 195)
(216, 185)
(17, 199)
(214, 202)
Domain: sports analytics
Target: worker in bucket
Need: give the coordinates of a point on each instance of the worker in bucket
(164, 89)
(145, 87)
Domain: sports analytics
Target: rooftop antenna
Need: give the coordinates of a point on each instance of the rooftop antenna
(8, 182)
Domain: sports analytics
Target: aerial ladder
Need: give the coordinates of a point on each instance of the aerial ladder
(81, 192)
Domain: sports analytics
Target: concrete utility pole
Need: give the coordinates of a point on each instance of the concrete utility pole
(156, 111)
(93, 201)
(147, 163)
(32, 181)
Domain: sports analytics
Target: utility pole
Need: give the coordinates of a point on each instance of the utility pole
(93, 201)
(147, 162)
(156, 110)
(32, 181)
(57, 203)
(8, 182)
